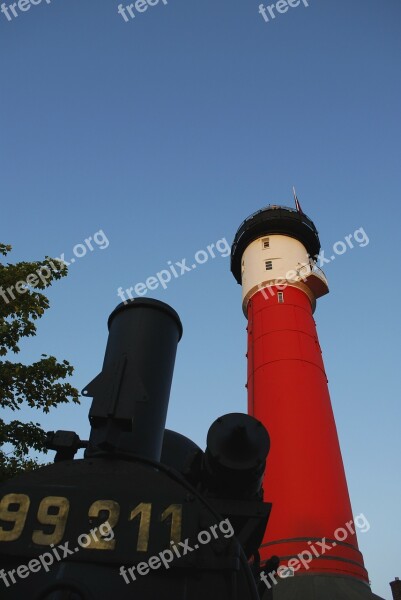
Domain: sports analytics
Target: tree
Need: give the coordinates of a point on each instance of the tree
(40, 384)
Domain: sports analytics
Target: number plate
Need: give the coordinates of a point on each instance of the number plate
(108, 528)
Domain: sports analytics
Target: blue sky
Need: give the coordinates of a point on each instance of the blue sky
(165, 132)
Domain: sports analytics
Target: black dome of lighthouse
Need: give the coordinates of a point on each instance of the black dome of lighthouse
(273, 219)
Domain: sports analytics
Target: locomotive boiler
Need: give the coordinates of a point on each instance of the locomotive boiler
(145, 514)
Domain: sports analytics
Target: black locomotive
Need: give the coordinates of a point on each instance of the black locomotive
(146, 514)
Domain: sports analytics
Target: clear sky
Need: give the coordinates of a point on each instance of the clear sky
(165, 132)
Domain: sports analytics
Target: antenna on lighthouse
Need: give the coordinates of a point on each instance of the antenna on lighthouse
(297, 204)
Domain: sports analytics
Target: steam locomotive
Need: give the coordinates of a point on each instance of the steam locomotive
(146, 514)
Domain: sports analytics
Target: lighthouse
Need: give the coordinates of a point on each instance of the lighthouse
(311, 527)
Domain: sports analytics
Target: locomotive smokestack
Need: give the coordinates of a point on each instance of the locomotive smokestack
(131, 394)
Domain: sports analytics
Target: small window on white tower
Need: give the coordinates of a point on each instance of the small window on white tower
(268, 265)
(265, 243)
(280, 297)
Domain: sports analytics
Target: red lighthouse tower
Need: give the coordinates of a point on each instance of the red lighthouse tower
(311, 527)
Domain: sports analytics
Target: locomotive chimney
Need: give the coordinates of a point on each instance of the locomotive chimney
(131, 394)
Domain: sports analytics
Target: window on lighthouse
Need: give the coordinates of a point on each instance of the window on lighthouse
(280, 297)
(265, 243)
(268, 265)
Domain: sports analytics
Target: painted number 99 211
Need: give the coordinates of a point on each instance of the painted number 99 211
(53, 513)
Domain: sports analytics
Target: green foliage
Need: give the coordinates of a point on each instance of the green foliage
(39, 385)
